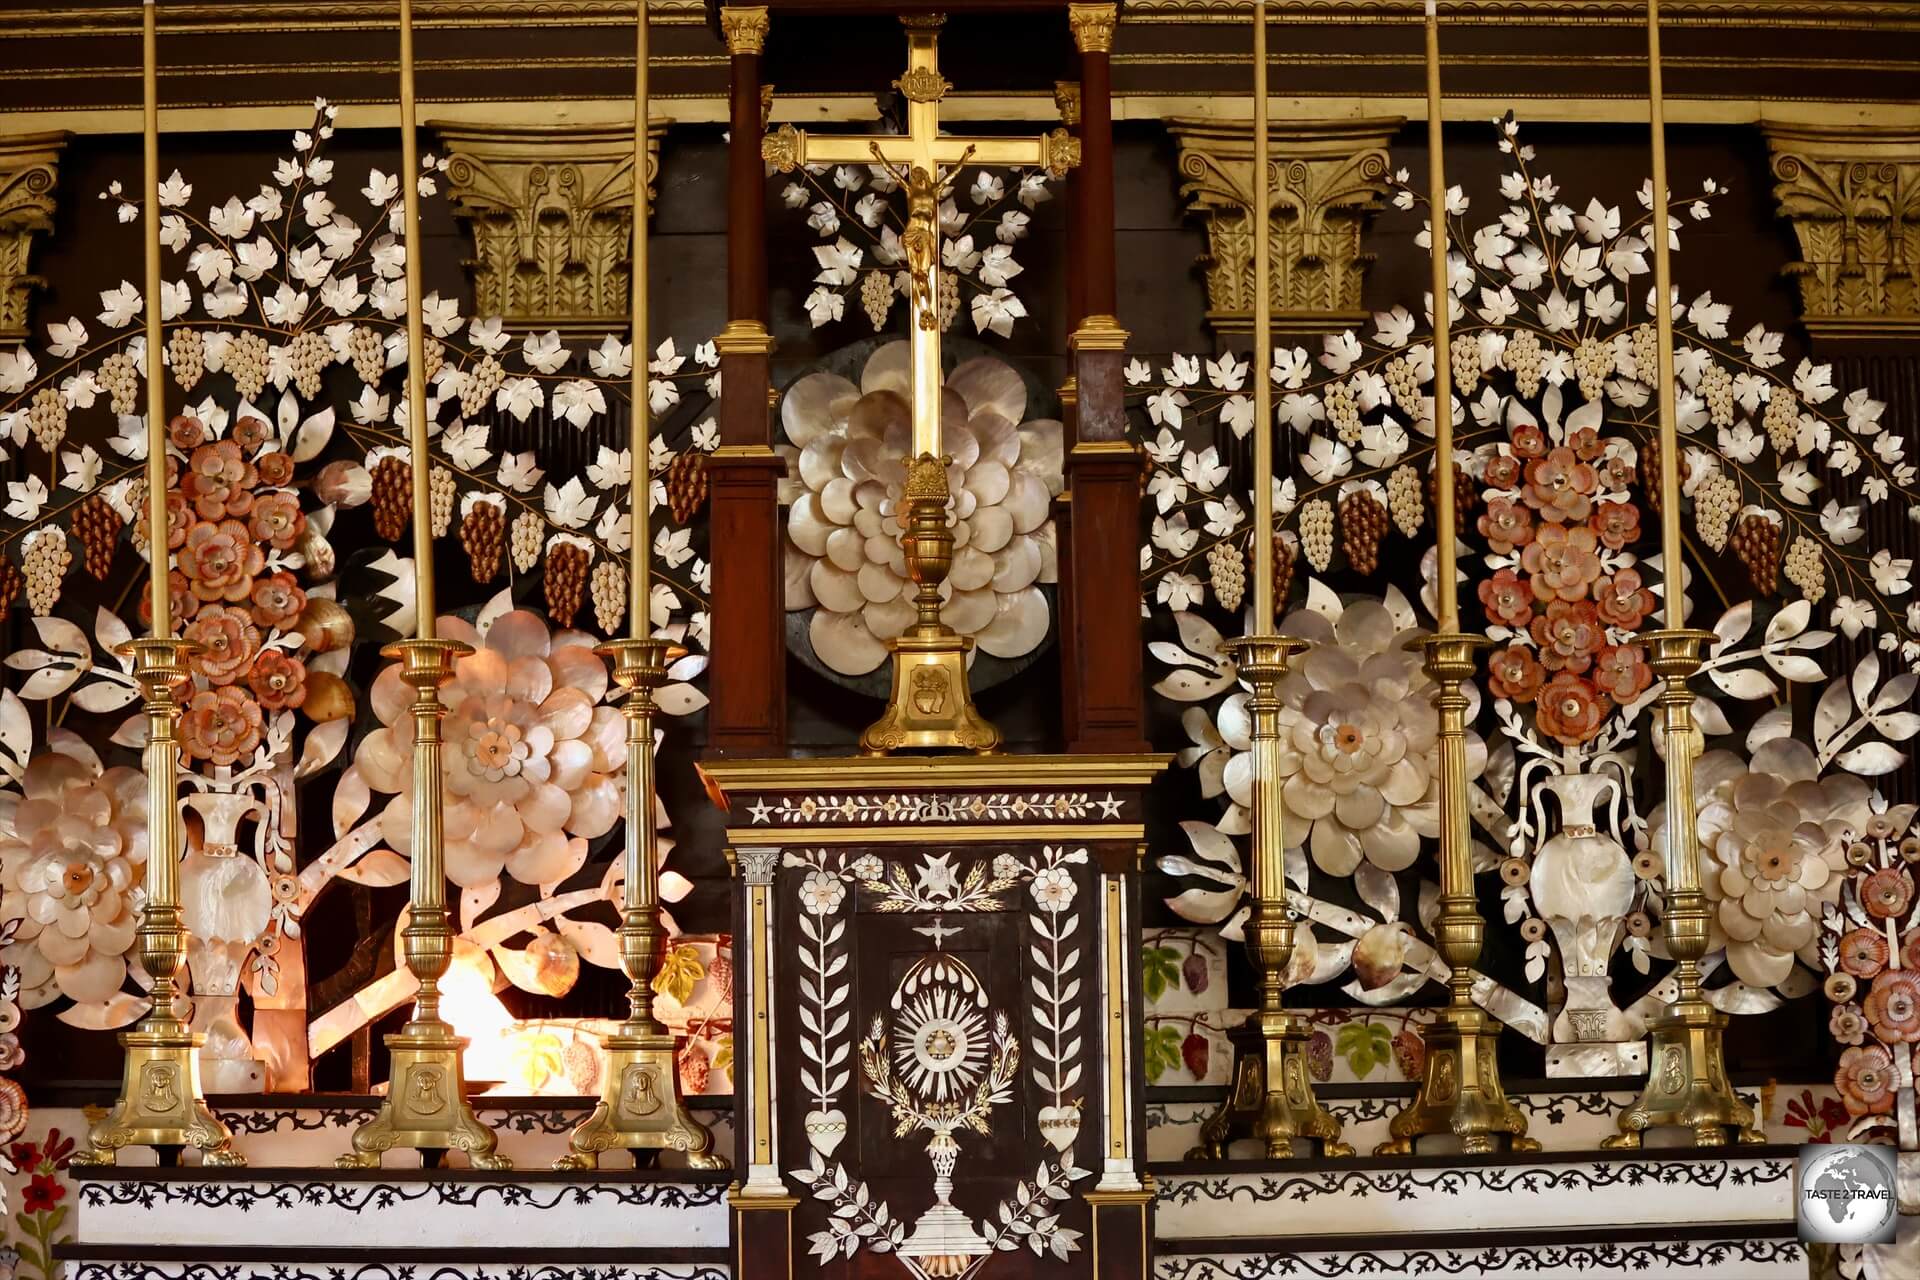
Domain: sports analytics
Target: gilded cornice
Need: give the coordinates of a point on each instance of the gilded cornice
(274, 16)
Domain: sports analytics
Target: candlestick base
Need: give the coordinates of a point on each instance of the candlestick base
(1460, 1091)
(426, 1108)
(1271, 1098)
(160, 1103)
(931, 708)
(639, 1108)
(1687, 1083)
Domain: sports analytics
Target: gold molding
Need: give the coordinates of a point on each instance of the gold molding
(1853, 197)
(743, 338)
(278, 16)
(29, 182)
(935, 833)
(1092, 26)
(1326, 180)
(550, 209)
(266, 16)
(932, 773)
(745, 29)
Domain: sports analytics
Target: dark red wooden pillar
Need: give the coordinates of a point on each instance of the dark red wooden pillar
(1103, 466)
(746, 687)
(1066, 96)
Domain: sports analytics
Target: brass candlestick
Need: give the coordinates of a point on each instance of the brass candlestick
(1687, 1071)
(160, 1102)
(1271, 1096)
(1460, 1090)
(426, 1105)
(931, 707)
(640, 1108)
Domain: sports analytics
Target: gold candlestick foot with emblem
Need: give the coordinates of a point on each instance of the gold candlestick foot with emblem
(1271, 1098)
(1460, 1090)
(931, 707)
(1687, 1084)
(426, 1107)
(640, 1108)
(160, 1103)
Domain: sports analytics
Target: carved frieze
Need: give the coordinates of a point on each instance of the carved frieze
(29, 176)
(1853, 196)
(1326, 180)
(550, 209)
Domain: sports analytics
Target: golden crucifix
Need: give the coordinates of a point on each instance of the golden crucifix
(931, 707)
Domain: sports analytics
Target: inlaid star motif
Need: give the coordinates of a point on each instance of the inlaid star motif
(761, 811)
(1110, 807)
(937, 878)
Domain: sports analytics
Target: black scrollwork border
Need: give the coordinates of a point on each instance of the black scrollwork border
(1407, 1184)
(361, 1197)
(1653, 1257)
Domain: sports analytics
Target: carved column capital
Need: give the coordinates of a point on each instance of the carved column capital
(1092, 26)
(1853, 196)
(29, 177)
(551, 213)
(745, 28)
(1326, 180)
(1066, 97)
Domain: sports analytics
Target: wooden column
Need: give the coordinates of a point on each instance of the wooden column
(1066, 96)
(747, 713)
(1103, 467)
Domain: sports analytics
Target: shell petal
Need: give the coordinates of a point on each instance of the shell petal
(972, 570)
(989, 384)
(837, 590)
(844, 643)
(1019, 625)
(815, 406)
(968, 611)
(1017, 566)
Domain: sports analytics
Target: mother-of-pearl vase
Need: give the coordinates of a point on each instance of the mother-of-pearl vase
(1582, 885)
(227, 904)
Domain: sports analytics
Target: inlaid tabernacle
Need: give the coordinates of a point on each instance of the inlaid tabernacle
(940, 965)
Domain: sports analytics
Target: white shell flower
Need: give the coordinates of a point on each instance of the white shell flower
(73, 848)
(1773, 837)
(1053, 889)
(843, 556)
(1359, 752)
(821, 893)
(532, 756)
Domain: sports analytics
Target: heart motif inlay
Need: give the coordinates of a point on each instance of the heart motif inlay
(825, 1129)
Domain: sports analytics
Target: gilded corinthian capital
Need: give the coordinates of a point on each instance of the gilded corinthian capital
(1093, 26)
(1853, 196)
(550, 209)
(745, 27)
(1325, 180)
(29, 175)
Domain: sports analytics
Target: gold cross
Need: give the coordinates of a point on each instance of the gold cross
(922, 159)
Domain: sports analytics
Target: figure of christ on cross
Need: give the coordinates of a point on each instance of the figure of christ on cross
(931, 708)
(923, 160)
